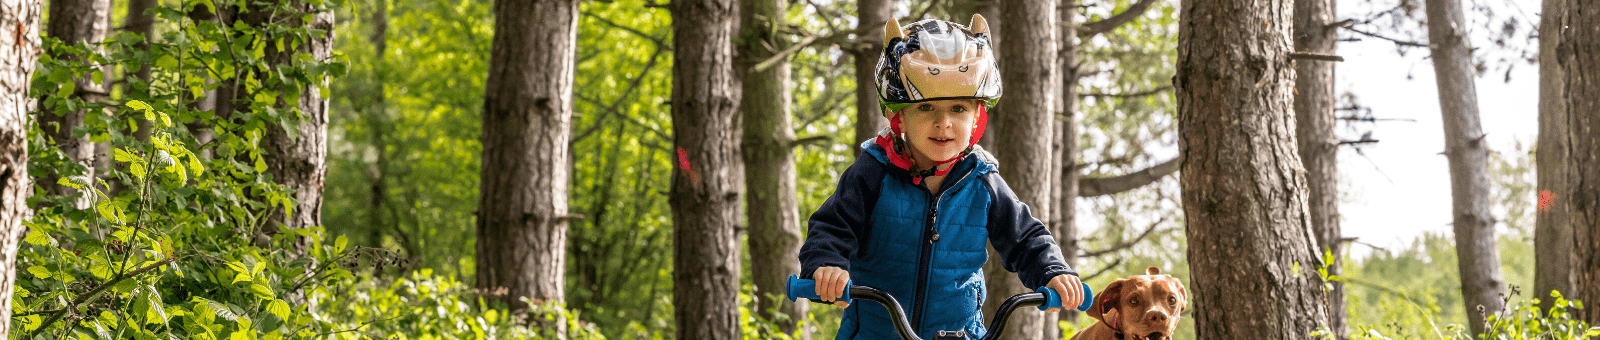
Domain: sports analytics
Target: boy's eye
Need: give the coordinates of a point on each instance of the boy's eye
(958, 108)
(925, 107)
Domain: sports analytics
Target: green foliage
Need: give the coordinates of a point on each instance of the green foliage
(425, 306)
(405, 151)
(1522, 319)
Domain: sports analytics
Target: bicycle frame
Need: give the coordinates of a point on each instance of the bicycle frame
(1044, 298)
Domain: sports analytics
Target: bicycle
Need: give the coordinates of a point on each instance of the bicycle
(1043, 297)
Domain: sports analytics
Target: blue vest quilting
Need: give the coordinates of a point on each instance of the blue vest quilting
(892, 257)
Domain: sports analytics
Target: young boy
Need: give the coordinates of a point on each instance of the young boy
(912, 214)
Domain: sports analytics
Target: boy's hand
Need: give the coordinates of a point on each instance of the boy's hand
(1068, 286)
(830, 284)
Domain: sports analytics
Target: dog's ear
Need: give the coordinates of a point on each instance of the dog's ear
(1107, 299)
(1183, 293)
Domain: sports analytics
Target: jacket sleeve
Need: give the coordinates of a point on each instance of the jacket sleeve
(1025, 245)
(842, 224)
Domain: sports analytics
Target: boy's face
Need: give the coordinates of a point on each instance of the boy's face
(939, 130)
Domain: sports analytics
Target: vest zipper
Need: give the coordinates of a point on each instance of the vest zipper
(929, 236)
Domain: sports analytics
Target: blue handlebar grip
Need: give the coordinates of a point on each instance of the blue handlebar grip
(1053, 300)
(807, 289)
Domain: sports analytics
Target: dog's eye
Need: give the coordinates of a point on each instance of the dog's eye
(1134, 301)
(1172, 301)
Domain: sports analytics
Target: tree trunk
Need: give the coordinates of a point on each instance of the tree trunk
(527, 118)
(1064, 194)
(1552, 232)
(1579, 53)
(1251, 253)
(377, 116)
(705, 187)
(299, 162)
(869, 115)
(1314, 102)
(74, 22)
(1022, 137)
(1478, 260)
(769, 170)
(19, 53)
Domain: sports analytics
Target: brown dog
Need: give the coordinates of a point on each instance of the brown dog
(1145, 307)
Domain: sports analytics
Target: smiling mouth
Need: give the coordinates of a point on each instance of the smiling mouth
(1154, 336)
(941, 140)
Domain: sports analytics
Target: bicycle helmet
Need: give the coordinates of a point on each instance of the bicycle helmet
(934, 60)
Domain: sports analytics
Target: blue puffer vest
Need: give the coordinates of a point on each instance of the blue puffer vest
(936, 244)
(926, 250)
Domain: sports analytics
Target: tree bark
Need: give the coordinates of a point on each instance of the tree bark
(1022, 137)
(1478, 260)
(299, 162)
(1064, 194)
(1579, 53)
(527, 118)
(1244, 190)
(74, 22)
(1552, 232)
(869, 115)
(1314, 103)
(19, 53)
(705, 185)
(769, 169)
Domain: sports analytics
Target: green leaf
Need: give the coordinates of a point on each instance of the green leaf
(100, 270)
(1296, 269)
(139, 105)
(261, 165)
(261, 291)
(123, 155)
(138, 169)
(156, 314)
(279, 308)
(37, 238)
(67, 181)
(339, 244)
(166, 61)
(39, 271)
(194, 166)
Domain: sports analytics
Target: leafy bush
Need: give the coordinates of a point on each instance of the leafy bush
(1521, 320)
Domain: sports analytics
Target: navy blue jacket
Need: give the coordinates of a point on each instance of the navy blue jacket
(924, 248)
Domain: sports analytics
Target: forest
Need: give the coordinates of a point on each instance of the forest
(652, 169)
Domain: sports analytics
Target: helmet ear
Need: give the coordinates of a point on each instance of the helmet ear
(979, 25)
(892, 30)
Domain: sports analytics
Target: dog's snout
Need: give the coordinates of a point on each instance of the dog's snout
(1156, 316)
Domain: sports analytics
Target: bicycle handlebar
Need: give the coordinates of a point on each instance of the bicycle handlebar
(1043, 297)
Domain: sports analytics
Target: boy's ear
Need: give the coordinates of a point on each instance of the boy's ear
(1107, 299)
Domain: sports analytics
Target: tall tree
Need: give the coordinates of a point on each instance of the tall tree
(1314, 101)
(1479, 262)
(1243, 188)
(74, 22)
(1579, 53)
(527, 116)
(1064, 153)
(298, 160)
(1552, 233)
(872, 14)
(19, 53)
(768, 147)
(1023, 134)
(705, 187)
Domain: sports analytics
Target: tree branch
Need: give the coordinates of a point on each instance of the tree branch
(813, 140)
(1396, 41)
(1090, 187)
(1090, 29)
(1107, 268)
(86, 297)
(612, 109)
(1153, 91)
(660, 43)
(1126, 244)
(1315, 56)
